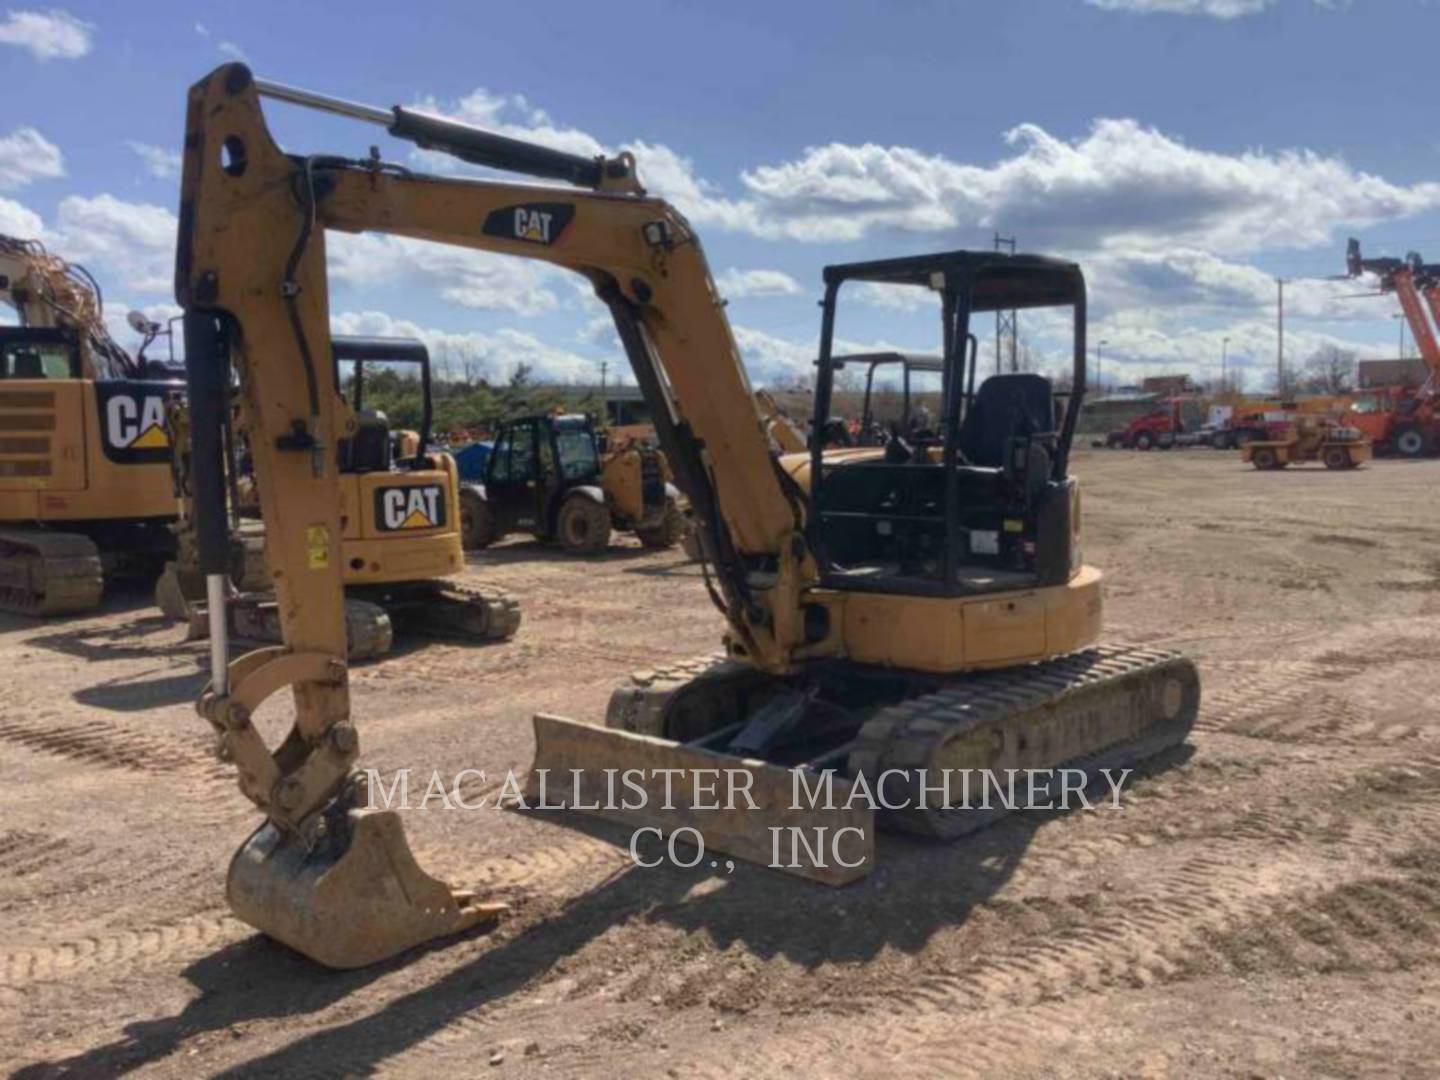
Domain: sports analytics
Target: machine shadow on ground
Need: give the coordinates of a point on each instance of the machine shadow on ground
(537, 551)
(131, 694)
(938, 887)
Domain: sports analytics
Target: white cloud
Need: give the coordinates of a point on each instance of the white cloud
(25, 156)
(229, 48)
(19, 221)
(771, 359)
(129, 246)
(738, 284)
(475, 279)
(1192, 282)
(49, 35)
(878, 294)
(158, 160)
(1121, 183)
(662, 170)
(1216, 9)
(475, 355)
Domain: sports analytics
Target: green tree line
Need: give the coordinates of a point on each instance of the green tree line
(462, 406)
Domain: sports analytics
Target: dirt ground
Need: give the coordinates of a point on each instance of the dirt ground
(1266, 903)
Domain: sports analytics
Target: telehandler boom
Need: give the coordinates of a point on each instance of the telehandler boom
(919, 607)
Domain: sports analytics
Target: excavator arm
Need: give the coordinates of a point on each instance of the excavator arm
(251, 277)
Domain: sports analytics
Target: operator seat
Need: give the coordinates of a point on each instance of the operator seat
(370, 448)
(1006, 407)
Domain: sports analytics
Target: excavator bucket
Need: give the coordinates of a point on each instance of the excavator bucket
(354, 897)
(797, 820)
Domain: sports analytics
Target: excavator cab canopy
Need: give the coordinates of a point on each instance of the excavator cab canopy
(914, 413)
(385, 350)
(984, 502)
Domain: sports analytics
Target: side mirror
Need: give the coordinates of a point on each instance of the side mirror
(140, 324)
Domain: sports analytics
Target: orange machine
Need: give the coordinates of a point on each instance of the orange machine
(1400, 419)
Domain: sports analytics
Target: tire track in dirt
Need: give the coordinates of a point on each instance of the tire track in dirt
(1083, 942)
(179, 939)
(110, 746)
(23, 852)
(1293, 701)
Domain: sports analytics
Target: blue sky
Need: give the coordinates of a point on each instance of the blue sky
(1184, 151)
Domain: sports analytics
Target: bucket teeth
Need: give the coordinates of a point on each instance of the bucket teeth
(355, 897)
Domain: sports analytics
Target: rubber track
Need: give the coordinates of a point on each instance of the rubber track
(909, 734)
(502, 609)
(73, 576)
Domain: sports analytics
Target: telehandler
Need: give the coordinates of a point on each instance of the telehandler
(923, 607)
(547, 477)
(400, 546)
(84, 459)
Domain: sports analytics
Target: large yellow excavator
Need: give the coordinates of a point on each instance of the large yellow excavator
(84, 458)
(891, 617)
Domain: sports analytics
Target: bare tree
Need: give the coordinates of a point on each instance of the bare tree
(1330, 370)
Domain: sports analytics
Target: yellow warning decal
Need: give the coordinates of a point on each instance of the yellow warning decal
(417, 520)
(317, 547)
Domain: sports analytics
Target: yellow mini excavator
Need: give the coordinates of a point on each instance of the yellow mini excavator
(400, 524)
(896, 616)
(84, 458)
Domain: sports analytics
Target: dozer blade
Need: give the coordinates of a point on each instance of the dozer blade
(792, 820)
(354, 898)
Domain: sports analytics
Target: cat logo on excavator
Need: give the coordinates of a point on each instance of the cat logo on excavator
(401, 507)
(132, 420)
(537, 223)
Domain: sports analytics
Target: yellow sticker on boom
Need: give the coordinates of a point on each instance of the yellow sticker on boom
(317, 547)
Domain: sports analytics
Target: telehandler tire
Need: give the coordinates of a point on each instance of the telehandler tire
(668, 532)
(1411, 441)
(477, 522)
(583, 526)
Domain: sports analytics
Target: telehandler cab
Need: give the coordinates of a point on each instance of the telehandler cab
(547, 477)
(922, 607)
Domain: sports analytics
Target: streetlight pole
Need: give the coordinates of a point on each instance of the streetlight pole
(1099, 346)
(1280, 338)
(1224, 354)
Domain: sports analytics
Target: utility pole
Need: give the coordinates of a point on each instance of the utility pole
(1007, 323)
(1280, 337)
(1224, 354)
(1401, 319)
(604, 367)
(1099, 346)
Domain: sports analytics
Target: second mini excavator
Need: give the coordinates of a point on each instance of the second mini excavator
(920, 609)
(400, 522)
